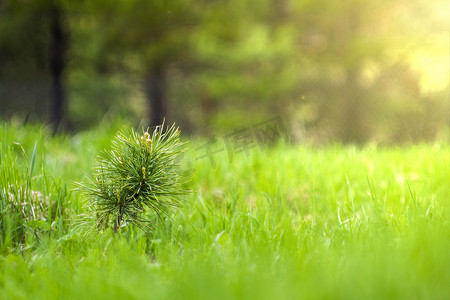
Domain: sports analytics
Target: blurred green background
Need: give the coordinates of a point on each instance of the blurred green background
(348, 71)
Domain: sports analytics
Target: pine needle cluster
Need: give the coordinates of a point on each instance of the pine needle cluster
(139, 177)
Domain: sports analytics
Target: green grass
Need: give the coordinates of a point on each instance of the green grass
(286, 222)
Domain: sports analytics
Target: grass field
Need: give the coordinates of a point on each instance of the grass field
(284, 222)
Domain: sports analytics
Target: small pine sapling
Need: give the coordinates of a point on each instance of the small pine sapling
(139, 175)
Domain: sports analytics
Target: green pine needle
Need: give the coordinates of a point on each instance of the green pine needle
(137, 176)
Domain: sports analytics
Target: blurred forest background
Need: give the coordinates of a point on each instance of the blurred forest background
(351, 71)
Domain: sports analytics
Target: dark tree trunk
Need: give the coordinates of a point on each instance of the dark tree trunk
(354, 120)
(57, 64)
(155, 86)
(280, 10)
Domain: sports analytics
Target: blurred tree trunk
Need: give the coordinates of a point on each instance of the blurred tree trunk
(354, 120)
(57, 64)
(280, 10)
(155, 87)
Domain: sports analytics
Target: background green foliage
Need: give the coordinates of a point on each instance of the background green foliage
(352, 71)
